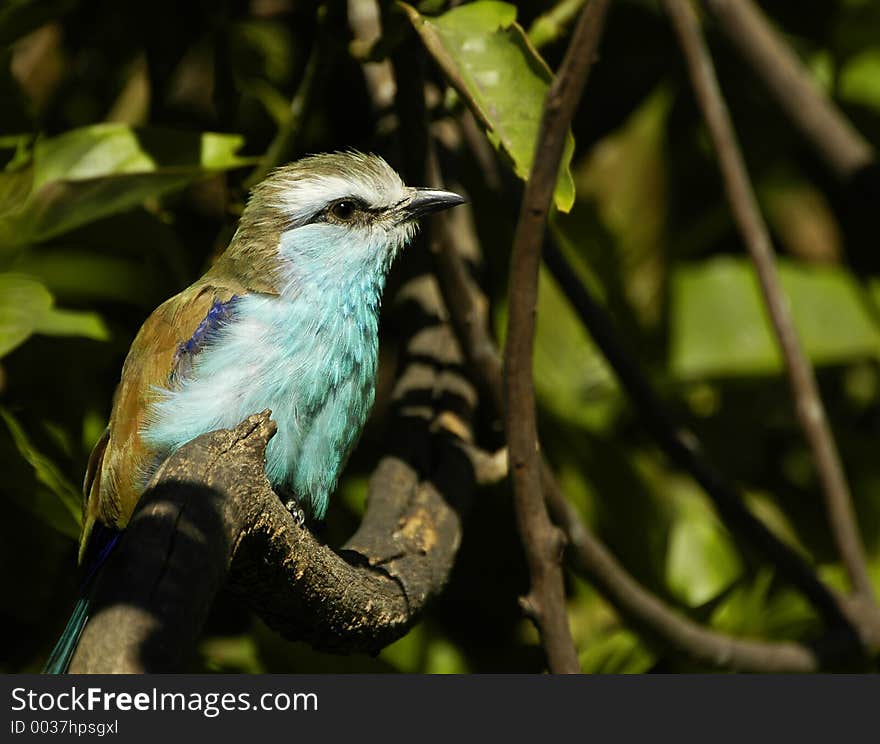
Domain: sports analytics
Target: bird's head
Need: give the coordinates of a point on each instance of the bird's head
(339, 213)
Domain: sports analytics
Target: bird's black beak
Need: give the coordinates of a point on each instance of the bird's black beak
(427, 201)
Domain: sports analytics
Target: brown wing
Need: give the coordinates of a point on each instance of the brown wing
(112, 485)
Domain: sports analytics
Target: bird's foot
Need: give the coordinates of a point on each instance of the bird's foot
(299, 516)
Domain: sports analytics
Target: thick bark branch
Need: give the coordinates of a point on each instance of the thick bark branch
(543, 542)
(211, 512)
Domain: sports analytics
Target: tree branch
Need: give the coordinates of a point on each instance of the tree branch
(808, 404)
(543, 543)
(210, 511)
(841, 146)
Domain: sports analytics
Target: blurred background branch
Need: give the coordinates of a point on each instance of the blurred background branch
(808, 403)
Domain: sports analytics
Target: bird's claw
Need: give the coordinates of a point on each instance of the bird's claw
(299, 516)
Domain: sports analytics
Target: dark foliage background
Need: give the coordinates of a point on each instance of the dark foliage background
(128, 135)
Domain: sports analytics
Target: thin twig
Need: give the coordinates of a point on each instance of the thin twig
(543, 542)
(790, 83)
(808, 404)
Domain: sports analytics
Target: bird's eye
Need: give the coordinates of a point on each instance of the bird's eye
(343, 210)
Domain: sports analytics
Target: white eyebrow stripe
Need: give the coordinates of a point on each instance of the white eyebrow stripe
(308, 196)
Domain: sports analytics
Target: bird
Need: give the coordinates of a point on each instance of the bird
(286, 319)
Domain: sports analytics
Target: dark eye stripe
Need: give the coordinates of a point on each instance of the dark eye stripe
(322, 214)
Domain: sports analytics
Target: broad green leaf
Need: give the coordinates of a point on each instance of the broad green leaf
(720, 327)
(702, 560)
(487, 57)
(26, 307)
(92, 172)
(64, 511)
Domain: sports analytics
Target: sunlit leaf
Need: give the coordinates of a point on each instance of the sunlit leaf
(58, 322)
(487, 57)
(26, 307)
(619, 651)
(701, 560)
(92, 172)
(720, 328)
(754, 609)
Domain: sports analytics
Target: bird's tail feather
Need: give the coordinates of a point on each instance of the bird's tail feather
(61, 655)
(100, 544)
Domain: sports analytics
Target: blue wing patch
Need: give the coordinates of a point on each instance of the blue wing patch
(219, 314)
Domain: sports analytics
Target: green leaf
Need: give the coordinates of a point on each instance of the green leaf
(487, 57)
(720, 328)
(754, 609)
(22, 302)
(572, 378)
(442, 657)
(618, 651)
(701, 561)
(860, 79)
(57, 322)
(26, 307)
(64, 511)
(231, 654)
(89, 173)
